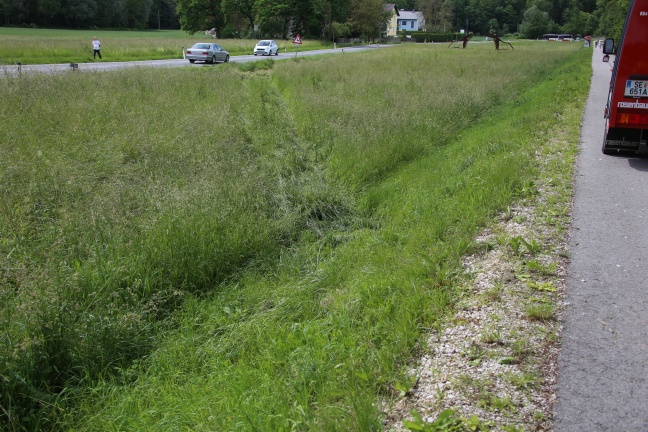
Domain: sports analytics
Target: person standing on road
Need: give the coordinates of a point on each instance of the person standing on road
(96, 46)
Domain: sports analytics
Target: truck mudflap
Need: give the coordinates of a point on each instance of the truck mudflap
(625, 140)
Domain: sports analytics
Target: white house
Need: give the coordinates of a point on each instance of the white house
(411, 21)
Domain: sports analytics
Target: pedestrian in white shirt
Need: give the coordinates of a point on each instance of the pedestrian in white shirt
(96, 46)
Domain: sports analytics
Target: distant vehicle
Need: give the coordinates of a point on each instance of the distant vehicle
(549, 37)
(557, 37)
(626, 113)
(207, 52)
(266, 47)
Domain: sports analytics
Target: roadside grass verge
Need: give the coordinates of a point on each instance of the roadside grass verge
(48, 46)
(263, 253)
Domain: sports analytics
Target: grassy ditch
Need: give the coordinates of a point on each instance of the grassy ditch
(226, 249)
(47, 46)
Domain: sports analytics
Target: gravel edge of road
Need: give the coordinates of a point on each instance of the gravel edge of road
(495, 363)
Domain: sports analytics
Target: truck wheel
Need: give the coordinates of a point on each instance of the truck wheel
(607, 150)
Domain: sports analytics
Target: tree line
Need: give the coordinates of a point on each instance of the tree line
(326, 19)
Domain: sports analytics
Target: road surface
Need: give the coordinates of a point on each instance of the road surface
(603, 364)
(106, 66)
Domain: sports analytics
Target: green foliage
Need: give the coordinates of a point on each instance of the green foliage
(193, 18)
(539, 312)
(474, 353)
(529, 380)
(133, 14)
(446, 421)
(532, 246)
(496, 403)
(315, 18)
(492, 336)
(368, 17)
(340, 30)
(439, 14)
(266, 64)
(546, 270)
(580, 22)
(612, 15)
(542, 286)
(405, 385)
(253, 249)
(536, 23)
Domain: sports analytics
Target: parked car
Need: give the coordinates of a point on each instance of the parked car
(266, 47)
(207, 52)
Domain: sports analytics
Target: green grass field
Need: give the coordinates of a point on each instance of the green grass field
(46, 46)
(263, 248)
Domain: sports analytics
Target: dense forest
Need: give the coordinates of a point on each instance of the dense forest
(320, 18)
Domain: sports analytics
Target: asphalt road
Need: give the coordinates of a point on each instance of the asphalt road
(107, 66)
(603, 364)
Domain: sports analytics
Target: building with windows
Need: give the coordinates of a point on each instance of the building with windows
(410, 21)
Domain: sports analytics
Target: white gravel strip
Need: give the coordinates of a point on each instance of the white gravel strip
(494, 364)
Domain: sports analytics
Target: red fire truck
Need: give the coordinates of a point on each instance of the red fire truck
(627, 107)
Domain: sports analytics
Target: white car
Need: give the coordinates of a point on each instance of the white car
(266, 47)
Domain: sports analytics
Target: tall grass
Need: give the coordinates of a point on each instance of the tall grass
(47, 46)
(230, 250)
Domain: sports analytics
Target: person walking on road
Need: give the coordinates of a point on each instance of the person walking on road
(96, 46)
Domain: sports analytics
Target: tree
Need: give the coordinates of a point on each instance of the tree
(111, 13)
(368, 17)
(199, 15)
(438, 14)
(246, 8)
(341, 30)
(138, 13)
(612, 14)
(536, 23)
(79, 12)
(274, 16)
(48, 11)
(331, 11)
(579, 22)
(163, 15)
(405, 4)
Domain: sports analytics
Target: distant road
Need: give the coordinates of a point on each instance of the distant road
(107, 66)
(603, 363)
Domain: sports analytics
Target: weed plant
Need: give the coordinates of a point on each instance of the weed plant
(47, 46)
(220, 249)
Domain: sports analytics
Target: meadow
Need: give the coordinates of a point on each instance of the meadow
(262, 248)
(50, 46)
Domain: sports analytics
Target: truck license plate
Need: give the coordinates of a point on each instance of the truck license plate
(636, 88)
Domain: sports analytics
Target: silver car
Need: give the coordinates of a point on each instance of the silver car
(266, 47)
(207, 52)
